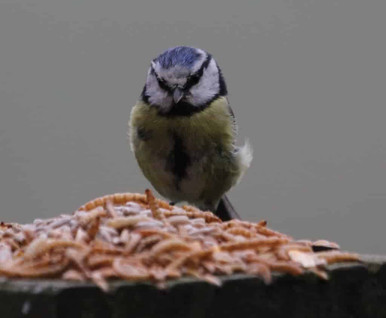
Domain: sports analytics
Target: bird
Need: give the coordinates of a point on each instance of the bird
(183, 131)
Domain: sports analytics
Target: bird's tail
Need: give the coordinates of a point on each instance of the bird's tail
(225, 210)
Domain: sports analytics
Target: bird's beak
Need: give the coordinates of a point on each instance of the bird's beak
(177, 95)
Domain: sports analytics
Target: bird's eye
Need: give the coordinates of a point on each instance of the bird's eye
(162, 83)
(192, 80)
(195, 78)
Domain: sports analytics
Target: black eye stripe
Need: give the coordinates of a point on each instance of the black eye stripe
(192, 79)
(195, 77)
(162, 83)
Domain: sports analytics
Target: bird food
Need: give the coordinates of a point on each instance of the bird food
(137, 237)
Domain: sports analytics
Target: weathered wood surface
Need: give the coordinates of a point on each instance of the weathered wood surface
(353, 290)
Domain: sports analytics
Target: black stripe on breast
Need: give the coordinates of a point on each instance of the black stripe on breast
(178, 160)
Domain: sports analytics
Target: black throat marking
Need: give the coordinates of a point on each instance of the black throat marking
(184, 109)
(178, 160)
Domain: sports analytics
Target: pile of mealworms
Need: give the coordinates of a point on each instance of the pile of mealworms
(137, 237)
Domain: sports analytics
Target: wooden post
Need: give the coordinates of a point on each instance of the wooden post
(353, 290)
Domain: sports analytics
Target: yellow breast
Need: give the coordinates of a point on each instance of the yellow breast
(200, 130)
(186, 158)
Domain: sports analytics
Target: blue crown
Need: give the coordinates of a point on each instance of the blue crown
(180, 55)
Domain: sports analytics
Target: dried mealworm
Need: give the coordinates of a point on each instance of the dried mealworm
(93, 228)
(195, 255)
(306, 259)
(282, 251)
(43, 245)
(261, 270)
(123, 222)
(85, 218)
(178, 220)
(117, 198)
(110, 209)
(148, 242)
(98, 260)
(286, 267)
(335, 257)
(73, 274)
(255, 243)
(169, 244)
(268, 232)
(138, 237)
(130, 271)
(33, 272)
(135, 238)
(5, 252)
(241, 231)
(99, 280)
(153, 205)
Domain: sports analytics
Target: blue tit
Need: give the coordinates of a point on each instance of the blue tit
(182, 130)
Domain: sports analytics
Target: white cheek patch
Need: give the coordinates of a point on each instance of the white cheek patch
(157, 96)
(207, 87)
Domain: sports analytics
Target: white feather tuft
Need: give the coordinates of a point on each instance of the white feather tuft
(244, 156)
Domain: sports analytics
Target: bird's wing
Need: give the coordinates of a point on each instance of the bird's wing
(234, 124)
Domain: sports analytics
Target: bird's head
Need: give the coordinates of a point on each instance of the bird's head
(183, 80)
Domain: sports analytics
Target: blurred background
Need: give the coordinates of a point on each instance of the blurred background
(307, 82)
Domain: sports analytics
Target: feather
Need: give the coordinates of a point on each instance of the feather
(244, 157)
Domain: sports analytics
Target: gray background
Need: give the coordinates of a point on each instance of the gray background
(307, 82)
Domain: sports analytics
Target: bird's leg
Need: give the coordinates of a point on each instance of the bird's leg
(225, 210)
